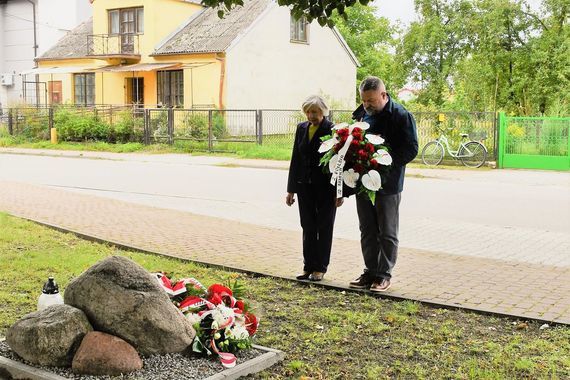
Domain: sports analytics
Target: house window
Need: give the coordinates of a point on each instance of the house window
(171, 88)
(126, 21)
(299, 30)
(84, 86)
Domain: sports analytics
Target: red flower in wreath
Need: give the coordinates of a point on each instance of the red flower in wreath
(220, 289)
(251, 323)
(215, 298)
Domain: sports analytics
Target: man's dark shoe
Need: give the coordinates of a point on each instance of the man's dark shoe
(303, 276)
(379, 286)
(362, 282)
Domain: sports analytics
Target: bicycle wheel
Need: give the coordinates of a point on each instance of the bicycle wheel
(473, 154)
(432, 154)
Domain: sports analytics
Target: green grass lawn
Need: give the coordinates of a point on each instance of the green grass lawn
(326, 334)
(273, 149)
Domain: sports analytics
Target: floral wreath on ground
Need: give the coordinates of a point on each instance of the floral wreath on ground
(355, 158)
(222, 321)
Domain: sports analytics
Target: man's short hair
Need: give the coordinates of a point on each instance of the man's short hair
(371, 83)
(315, 101)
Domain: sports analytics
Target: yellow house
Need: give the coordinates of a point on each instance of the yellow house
(179, 53)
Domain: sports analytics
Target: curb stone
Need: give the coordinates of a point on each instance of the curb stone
(264, 361)
(11, 369)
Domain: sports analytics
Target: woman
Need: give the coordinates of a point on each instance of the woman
(317, 202)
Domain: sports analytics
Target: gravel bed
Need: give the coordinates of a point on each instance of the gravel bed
(164, 367)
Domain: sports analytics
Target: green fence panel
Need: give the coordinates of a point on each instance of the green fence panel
(534, 142)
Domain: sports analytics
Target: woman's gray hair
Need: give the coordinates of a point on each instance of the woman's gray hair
(315, 101)
(371, 83)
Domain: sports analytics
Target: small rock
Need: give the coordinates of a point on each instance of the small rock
(103, 354)
(544, 326)
(50, 336)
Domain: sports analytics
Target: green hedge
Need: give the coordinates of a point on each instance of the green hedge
(73, 126)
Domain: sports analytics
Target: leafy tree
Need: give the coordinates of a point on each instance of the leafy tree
(432, 46)
(371, 39)
(320, 10)
(548, 65)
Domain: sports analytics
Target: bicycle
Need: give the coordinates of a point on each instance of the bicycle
(471, 153)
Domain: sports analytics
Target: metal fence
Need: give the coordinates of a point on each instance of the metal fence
(480, 126)
(534, 142)
(211, 127)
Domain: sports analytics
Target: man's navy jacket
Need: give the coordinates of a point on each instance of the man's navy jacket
(398, 128)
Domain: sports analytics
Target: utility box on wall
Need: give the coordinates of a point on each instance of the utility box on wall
(7, 79)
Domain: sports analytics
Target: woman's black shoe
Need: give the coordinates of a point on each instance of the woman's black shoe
(303, 276)
(316, 276)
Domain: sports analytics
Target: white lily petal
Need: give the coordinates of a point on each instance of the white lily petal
(374, 139)
(340, 126)
(360, 124)
(383, 157)
(327, 144)
(332, 163)
(350, 178)
(372, 180)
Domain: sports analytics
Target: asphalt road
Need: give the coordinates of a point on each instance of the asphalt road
(515, 215)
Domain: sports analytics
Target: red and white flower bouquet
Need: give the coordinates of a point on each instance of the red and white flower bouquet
(355, 158)
(222, 321)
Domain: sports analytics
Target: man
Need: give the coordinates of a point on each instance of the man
(379, 221)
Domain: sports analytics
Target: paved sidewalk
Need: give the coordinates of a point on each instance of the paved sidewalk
(513, 288)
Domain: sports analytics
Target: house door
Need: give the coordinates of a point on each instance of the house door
(54, 90)
(135, 91)
(127, 30)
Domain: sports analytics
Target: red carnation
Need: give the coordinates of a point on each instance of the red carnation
(374, 163)
(355, 143)
(342, 132)
(356, 130)
(240, 305)
(251, 323)
(370, 147)
(362, 154)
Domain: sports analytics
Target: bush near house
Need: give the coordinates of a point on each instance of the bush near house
(196, 125)
(73, 126)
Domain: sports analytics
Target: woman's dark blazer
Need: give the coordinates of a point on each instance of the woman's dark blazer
(305, 159)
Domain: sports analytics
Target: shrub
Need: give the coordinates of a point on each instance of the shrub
(128, 128)
(196, 125)
(159, 124)
(72, 126)
(31, 123)
(219, 129)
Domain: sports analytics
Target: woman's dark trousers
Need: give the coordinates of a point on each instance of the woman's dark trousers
(317, 210)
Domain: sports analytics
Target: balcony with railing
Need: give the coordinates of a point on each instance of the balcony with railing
(124, 46)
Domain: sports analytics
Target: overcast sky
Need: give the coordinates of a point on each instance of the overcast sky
(403, 10)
